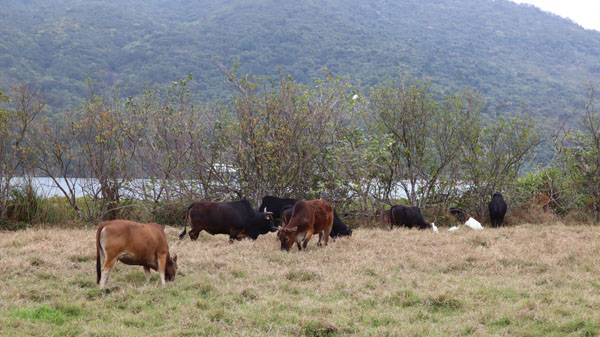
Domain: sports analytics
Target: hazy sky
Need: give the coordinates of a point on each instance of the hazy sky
(585, 12)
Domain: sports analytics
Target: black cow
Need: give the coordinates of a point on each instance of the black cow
(409, 216)
(276, 205)
(497, 208)
(286, 214)
(236, 218)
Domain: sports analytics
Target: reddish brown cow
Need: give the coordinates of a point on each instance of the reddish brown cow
(134, 244)
(308, 217)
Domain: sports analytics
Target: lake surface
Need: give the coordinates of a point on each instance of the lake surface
(46, 187)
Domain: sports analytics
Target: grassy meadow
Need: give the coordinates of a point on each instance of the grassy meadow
(528, 280)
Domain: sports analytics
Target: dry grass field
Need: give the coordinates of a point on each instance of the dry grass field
(519, 281)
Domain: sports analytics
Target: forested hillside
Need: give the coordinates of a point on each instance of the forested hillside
(514, 54)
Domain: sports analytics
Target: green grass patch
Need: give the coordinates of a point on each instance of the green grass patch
(301, 276)
(443, 303)
(320, 329)
(44, 313)
(405, 298)
(581, 327)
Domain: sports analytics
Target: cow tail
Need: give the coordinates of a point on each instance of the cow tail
(98, 252)
(187, 218)
(98, 268)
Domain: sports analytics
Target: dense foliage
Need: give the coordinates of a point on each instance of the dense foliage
(159, 148)
(147, 155)
(513, 54)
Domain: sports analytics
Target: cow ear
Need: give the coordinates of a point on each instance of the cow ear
(175, 258)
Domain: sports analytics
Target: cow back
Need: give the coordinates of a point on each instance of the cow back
(141, 241)
(278, 205)
(497, 209)
(275, 205)
(409, 216)
(229, 217)
(497, 205)
(218, 216)
(314, 214)
(397, 215)
(323, 215)
(303, 216)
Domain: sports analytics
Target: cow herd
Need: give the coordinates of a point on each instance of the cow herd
(296, 221)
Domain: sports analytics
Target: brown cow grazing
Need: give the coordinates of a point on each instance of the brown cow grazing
(308, 217)
(134, 244)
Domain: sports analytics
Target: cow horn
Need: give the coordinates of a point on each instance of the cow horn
(267, 211)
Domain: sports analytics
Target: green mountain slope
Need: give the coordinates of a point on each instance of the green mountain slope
(513, 53)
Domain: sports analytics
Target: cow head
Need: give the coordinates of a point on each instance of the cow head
(269, 219)
(171, 268)
(261, 223)
(287, 236)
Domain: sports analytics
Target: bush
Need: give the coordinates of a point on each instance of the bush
(546, 191)
(173, 214)
(26, 206)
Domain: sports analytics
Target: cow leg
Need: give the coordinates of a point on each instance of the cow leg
(326, 234)
(106, 268)
(194, 233)
(162, 264)
(320, 238)
(233, 235)
(147, 272)
(307, 238)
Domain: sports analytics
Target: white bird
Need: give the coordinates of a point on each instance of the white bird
(355, 97)
(452, 229)
(473, 224)
(434, 227)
